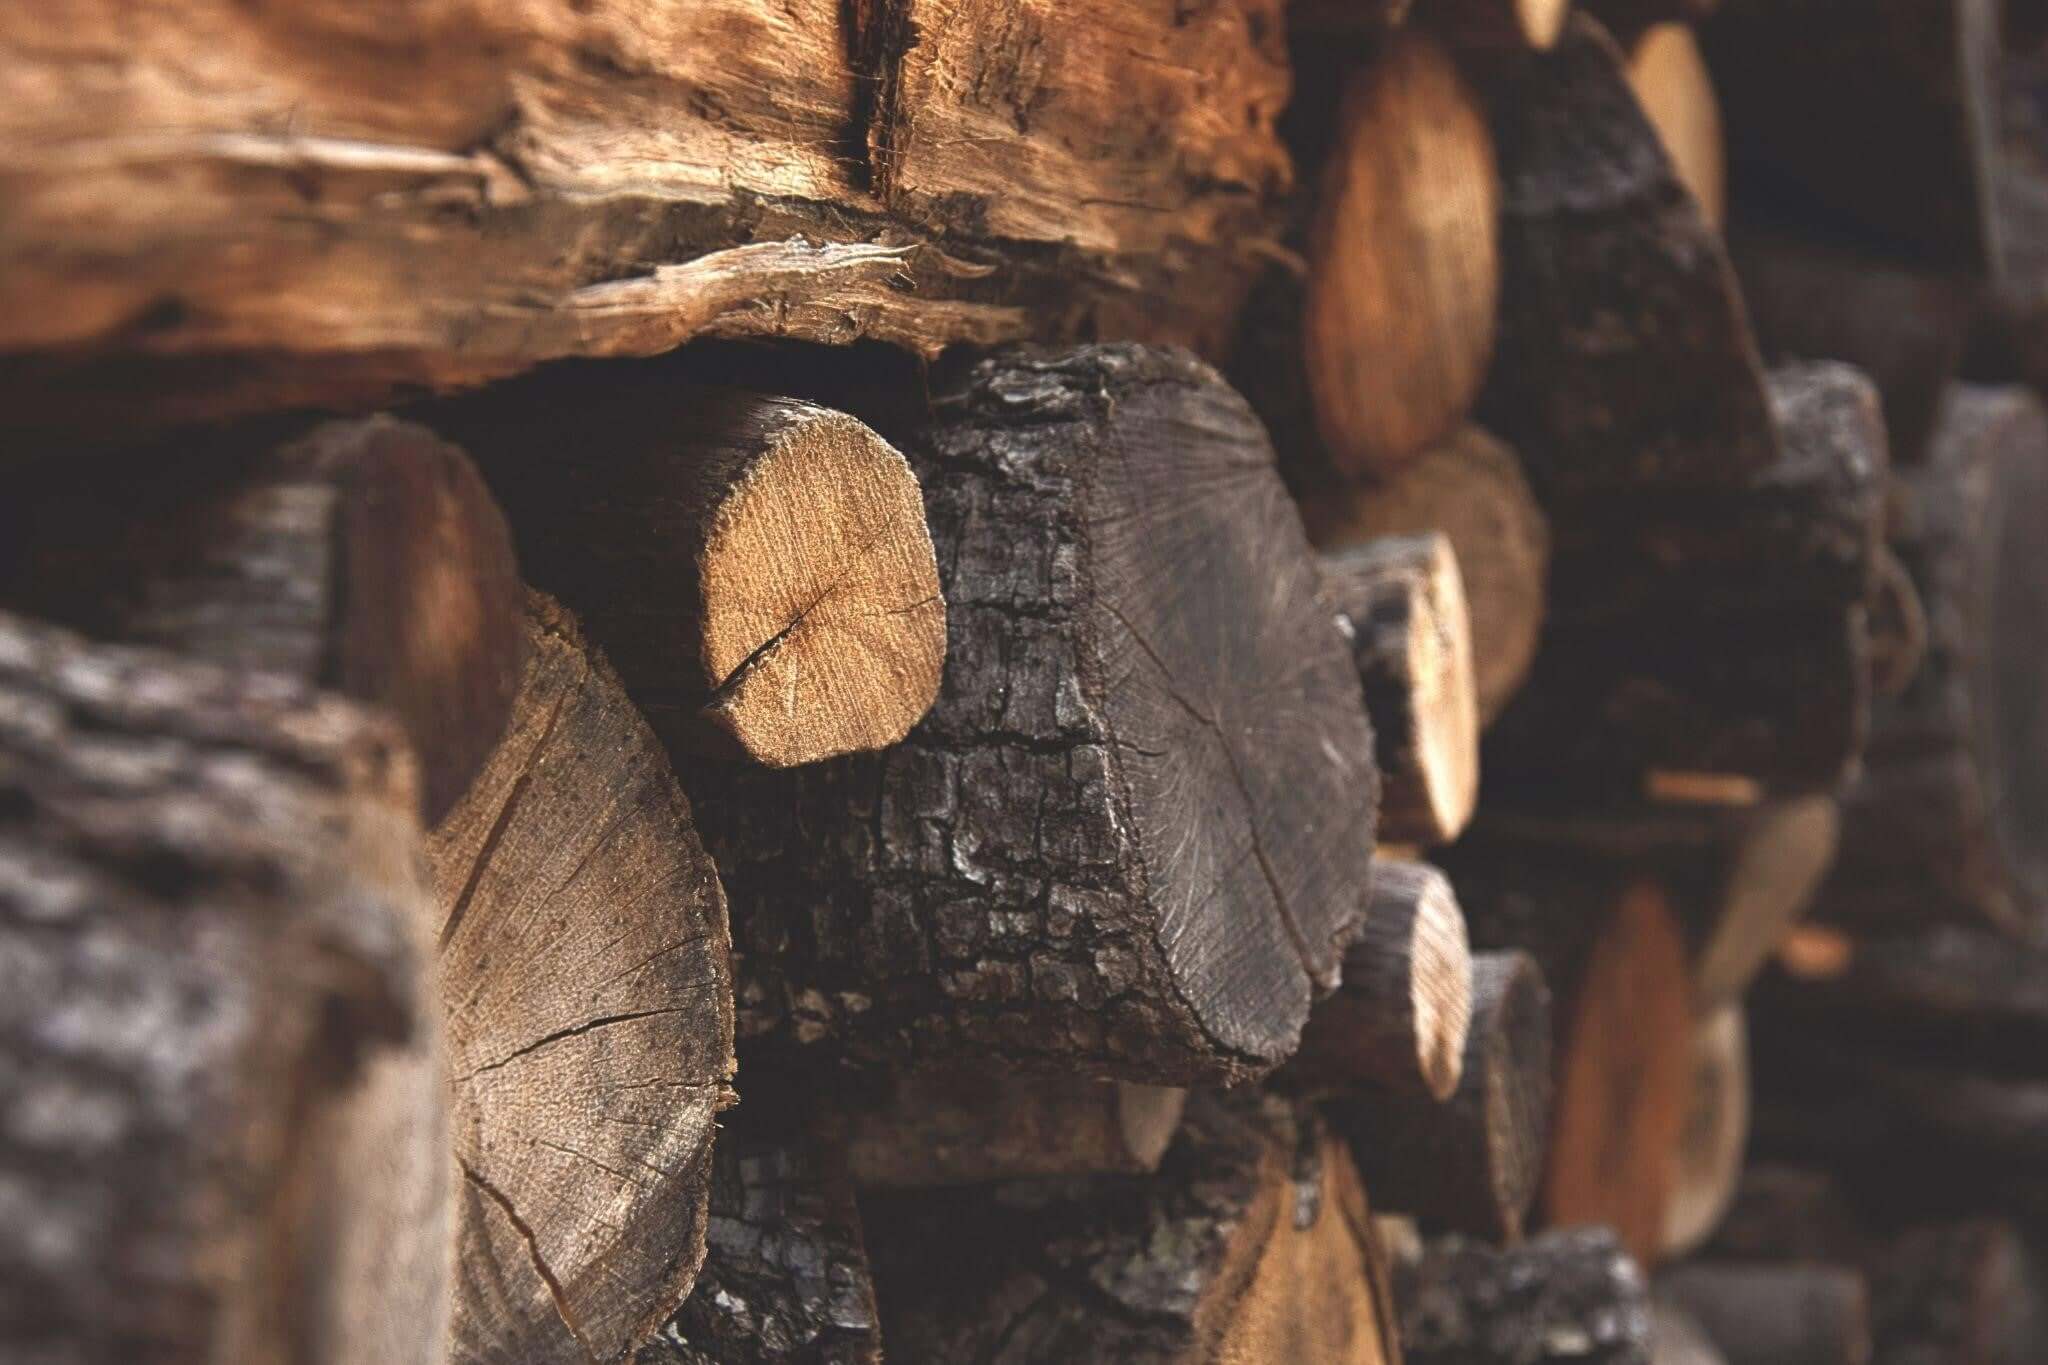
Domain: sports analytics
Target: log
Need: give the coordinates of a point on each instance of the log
(1916, 79)
(307, 228)
(1470, 489)
(1398, 311)
(1571, 1294)
(1134, 834)
(1676, 1338)
(1671, 83)
(1627, 19)
(1624, 1076)
(363, 556)
(227, 1129)
(1956, 1292)
(1403, 602)
(970, 1125)
(1401, 1018)
(785, 1278)
(583, 963)
(1948, 819)
(757, 568)
(1469, 1164)
(1777, 1314)
(1715, 1134)
(1490, 26)
(1253, 1242)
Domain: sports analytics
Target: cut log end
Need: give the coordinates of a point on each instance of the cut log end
(1716, 1131)
(1670, 79)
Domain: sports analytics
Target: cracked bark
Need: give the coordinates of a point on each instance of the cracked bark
(219, 1008)
(584, 978)
(1134, 833)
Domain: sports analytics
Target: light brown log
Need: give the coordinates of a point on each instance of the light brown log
(363, 556)
(1471, 1163)
(226, 1135)
(583, 963)
(1624, 1075)
(757, 568)
(1398, 313)
(1671, 82)
(1569, 1295)
(1497, 25)
(971, 1125)
(1403, 601)
(1777, 1314)
(1471, 489)
(1401, 1017)
(1716, 1131)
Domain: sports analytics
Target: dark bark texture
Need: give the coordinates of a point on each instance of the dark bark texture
(1569, 1295)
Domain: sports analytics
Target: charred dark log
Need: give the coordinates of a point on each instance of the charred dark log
(1568, 1295)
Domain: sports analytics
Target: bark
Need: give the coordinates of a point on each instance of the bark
(757, 568)
(969, 1125)
(1715, 1133)
(1471, 490)
(1252, 1242)
(583, 963)
(363, 556)
(785, 1278)
(1471, 1163)
(1915, 79)
(1411, 640)
(1401, 1018)
(1947, 819)
(1133, 835)
(1569, 1295)
(227, 1135)
(1671, 83)
(1777, 1314)
(337, 204)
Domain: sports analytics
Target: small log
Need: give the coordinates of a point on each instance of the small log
(1917, 79)
(365, 556)
(1570, 1295)
(1956, 1293)
(971, 1125)
(1401, 1018)
(583, 964)
(1672, 85)
(1950, 817)
(1252, 1242)
(1403, 277)
(1403, 601)
(1134, 834)
(1777, 1314)
(1471, 1163)
(1715, 1134)
(1470, 489)
(785, 1278)
(1676, 1337)
(757, 568)
(226, 1133)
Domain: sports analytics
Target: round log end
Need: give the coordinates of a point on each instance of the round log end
(1440, 989)
(1716, 1131)
(1509, 1062)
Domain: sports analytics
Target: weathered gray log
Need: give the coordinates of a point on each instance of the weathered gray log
(1133, 835)
(364, 556)
(1400, 1020)
(1777, 1314)
(1471, 1163)
(584, 970)
(226, 1132)
(332, 206)
(1252, 1242)
(1571, 1294)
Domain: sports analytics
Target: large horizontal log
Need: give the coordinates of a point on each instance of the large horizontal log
(227, 1123)
(312, 204)
(1134, 833)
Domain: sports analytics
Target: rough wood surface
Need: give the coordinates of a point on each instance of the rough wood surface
(1672, 85)
(1403, 600)
(364, 556)
(226, 1134)
(1470, 488)
(1253, 1242)
(1134, 834)
(1676, 1337)
(1715, 1134)
(583, 960)
(757, 568)
(1777, 1314)
(970, 1125)
(311, 205)
(1569, 1295)
(1470, 1163)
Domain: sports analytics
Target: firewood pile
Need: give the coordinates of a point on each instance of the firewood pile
(1205, 681)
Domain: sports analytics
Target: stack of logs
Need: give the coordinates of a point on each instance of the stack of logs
(970, 681)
